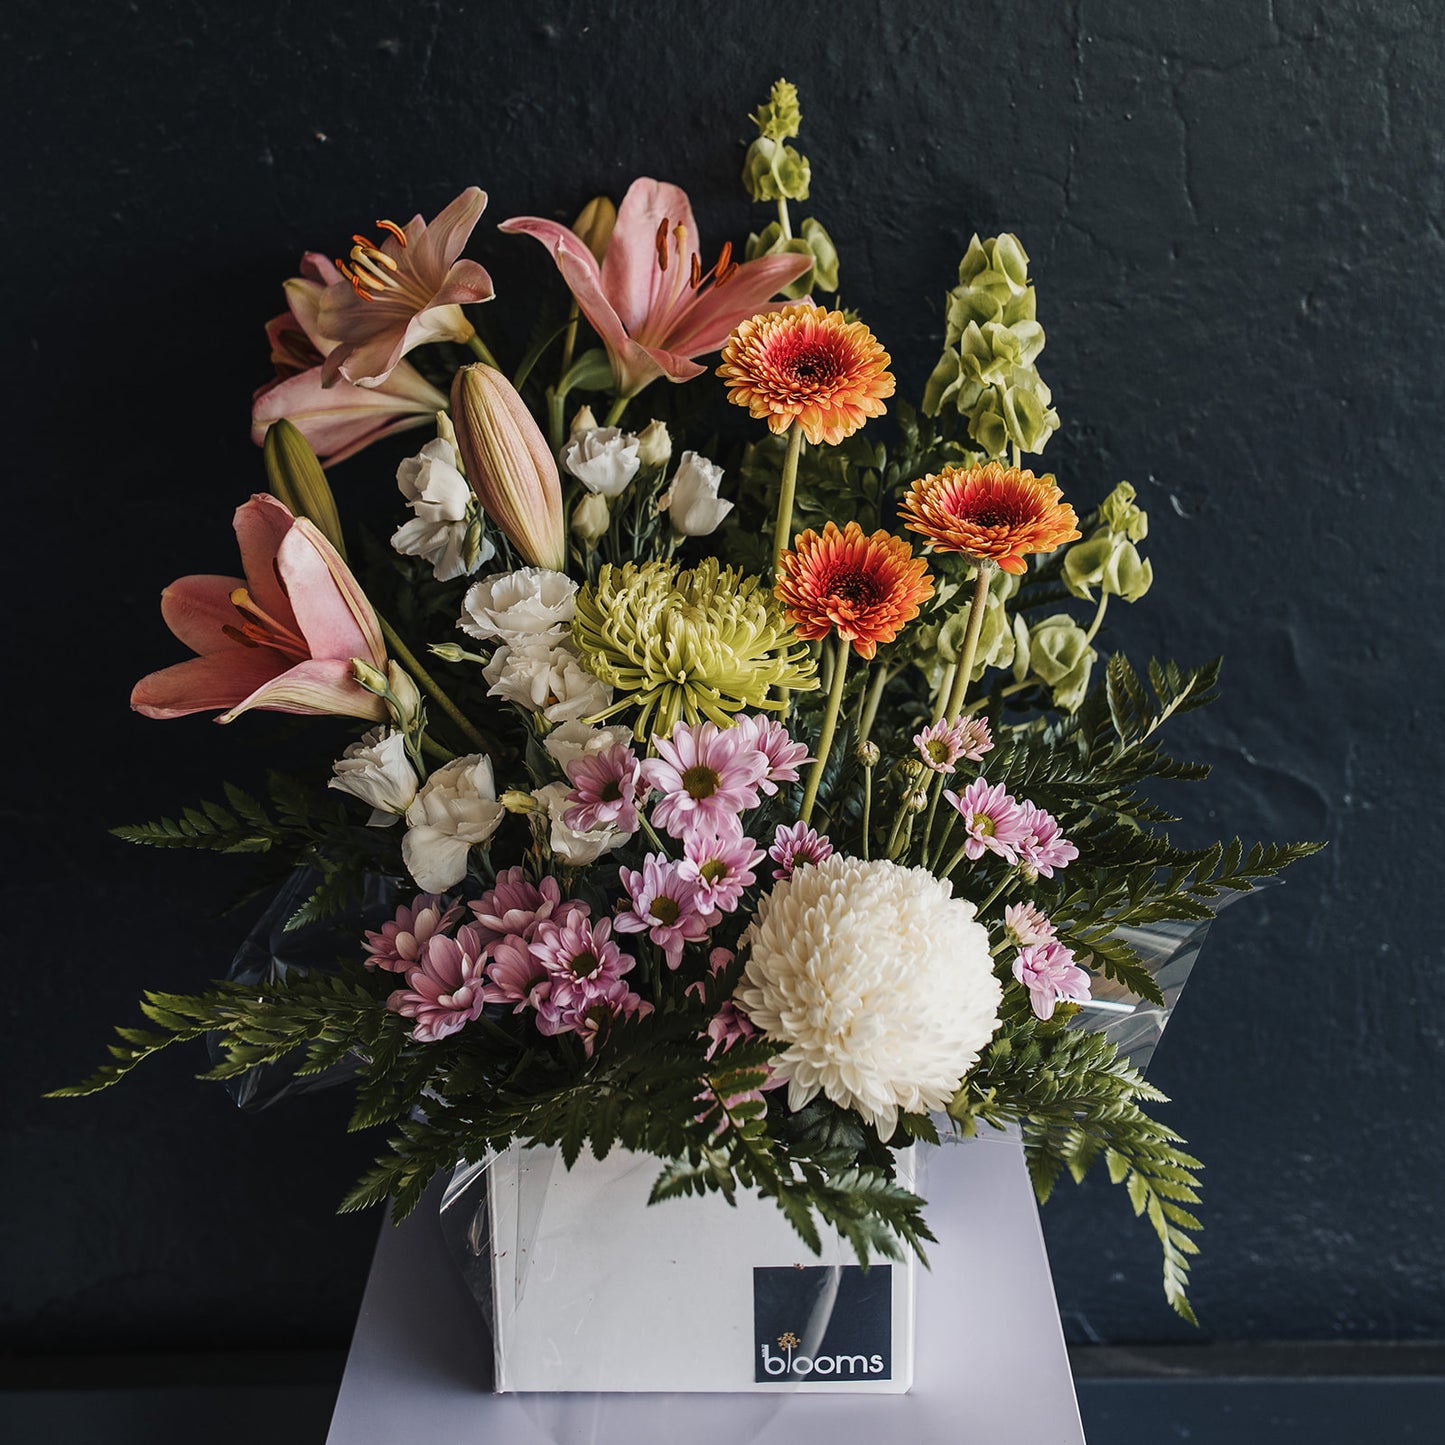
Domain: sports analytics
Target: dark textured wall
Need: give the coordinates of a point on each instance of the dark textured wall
(1234, 213)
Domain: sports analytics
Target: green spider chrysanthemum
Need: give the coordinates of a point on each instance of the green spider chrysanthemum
(708, 642)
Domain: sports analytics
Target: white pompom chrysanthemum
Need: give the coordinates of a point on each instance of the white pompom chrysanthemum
(880, 981)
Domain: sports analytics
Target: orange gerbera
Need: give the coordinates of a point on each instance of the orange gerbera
(808, 365)
(992, 512)
(864, 588)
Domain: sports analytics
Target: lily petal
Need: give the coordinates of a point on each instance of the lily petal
(198, 609)
(321, 685)
(631, 276)
(201, 684)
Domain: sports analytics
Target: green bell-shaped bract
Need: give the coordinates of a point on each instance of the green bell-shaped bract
(812, 241)
(1059, 653)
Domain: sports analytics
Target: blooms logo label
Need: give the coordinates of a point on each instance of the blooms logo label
(822, 1322)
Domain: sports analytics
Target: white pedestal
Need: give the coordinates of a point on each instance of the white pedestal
(990, 1366)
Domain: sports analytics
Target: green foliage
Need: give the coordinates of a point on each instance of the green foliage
(1075, 1101)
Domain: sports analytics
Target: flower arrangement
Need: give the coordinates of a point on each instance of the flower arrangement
(766, 817)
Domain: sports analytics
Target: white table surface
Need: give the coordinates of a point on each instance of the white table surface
(991, 1368)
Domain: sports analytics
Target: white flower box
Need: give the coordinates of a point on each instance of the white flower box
(592, 1289)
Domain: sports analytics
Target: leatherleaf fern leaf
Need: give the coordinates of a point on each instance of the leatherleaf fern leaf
(1076, 1100)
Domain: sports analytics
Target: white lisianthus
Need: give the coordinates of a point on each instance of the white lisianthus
(691, 502)
(573, 740)
(604, 460)
(879, 980)
(378, 771)
(455, 809)
(445, 508)
(571, 845)
(530, 604)
(546, 677)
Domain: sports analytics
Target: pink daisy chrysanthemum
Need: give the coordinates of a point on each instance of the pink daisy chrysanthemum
(721, 864)
(619, 1002)
(995, 822)
(665, 906)
(728, 1026)
(584, 968)
(607, 787)
(773, 740)
(794, 845)
(444, 991)
(514, 974)
(515, 905)
(942, 744)
(396, 946)
(1024, 924)
(707, 775)
(1049, 973)
(1043, 846)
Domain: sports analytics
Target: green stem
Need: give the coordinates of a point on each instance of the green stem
(652, 834)
(784, 220)
(569, 343)
(441, 754)
(482, 351)
(830, 726)
(945, 689)
(783, 528)
(867, 808)
(1098, 618)
(970, 641)
(615, 414)
(1008, 879)
(428, 684)
(875, 696)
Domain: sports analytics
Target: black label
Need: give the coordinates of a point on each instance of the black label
(831, 1323)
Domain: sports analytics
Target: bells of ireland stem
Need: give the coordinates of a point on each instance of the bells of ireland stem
(509, 464)
(298, 482)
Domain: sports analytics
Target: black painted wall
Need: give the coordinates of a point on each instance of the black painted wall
(1234, 210)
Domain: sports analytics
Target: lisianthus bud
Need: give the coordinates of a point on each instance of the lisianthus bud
(509, 464)
(447, 433)
(590, 518)
(298, 482)
(584, 422)
(402, 697)
(654, 445)
(594, 224)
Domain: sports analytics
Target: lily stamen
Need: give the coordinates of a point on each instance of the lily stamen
(370, 270)
(259, 627)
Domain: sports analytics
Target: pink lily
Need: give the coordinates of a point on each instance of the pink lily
(280, 638)
(403, 293)
(338, 421)
(650, 300)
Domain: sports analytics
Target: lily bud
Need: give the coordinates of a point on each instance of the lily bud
(654, 445)
(594, 224)
(298, 482)
(509, 464)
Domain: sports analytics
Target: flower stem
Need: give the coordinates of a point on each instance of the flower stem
(428, 684)
(867, 807)
(783, 528)
(430, 745)
(482, 351)
(875, 696)
(785, 223)
(970, 641)
(830, 726)
(569, 342)
(615, 414)
(1098, 618)
(945, 690)
(1006, 881)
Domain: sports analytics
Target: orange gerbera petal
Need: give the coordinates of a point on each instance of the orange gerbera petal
(992, 512)
(810, 365)
(864, 588)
